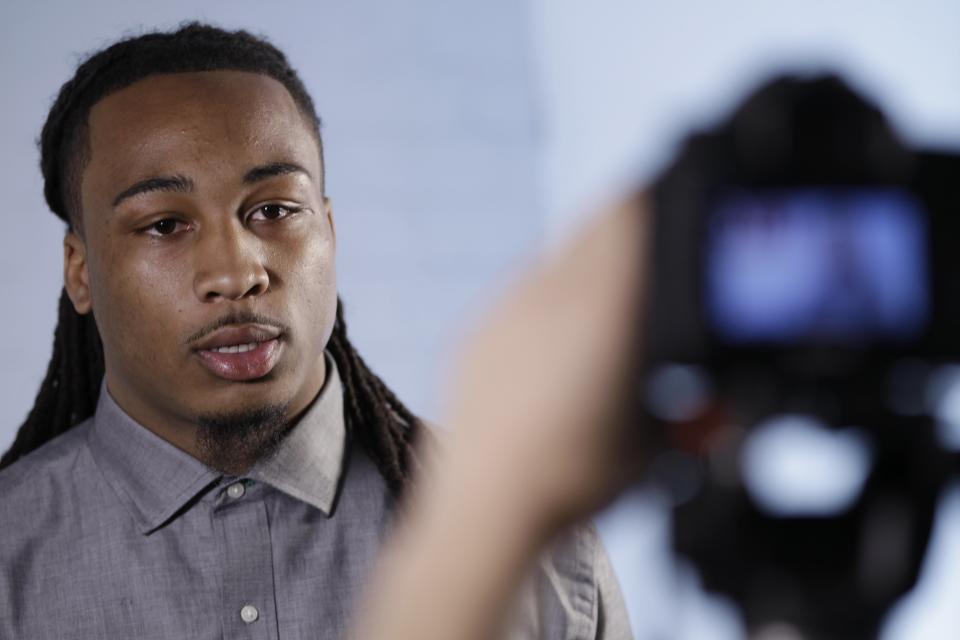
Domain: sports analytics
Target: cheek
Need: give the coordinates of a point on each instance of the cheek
(136, 303)
(312, 282)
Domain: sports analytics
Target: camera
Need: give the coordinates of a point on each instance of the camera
(805, 296)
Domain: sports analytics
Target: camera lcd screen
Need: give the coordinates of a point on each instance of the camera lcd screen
(816, 266)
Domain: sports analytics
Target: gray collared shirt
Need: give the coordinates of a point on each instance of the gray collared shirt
(109, 531)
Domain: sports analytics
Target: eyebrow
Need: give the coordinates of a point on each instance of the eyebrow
(182, 184)
(272, 169)
(160, 183)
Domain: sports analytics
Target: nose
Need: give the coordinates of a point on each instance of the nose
(229, 265)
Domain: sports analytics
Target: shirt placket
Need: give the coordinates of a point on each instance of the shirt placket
(248, 608)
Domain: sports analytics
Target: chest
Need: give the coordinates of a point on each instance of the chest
(263, 565)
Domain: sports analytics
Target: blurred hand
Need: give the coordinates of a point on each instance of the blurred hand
(541, 436)
(541, 396)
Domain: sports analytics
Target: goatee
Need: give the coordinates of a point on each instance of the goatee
(232, 442)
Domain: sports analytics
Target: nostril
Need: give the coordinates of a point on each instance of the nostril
(234, 279)
(239, 292)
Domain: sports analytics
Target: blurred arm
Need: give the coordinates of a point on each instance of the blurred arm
(541, 438)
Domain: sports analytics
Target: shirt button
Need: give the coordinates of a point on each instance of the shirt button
(249, 614)
(236, 491)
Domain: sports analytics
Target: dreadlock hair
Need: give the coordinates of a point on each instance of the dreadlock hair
(374, 416)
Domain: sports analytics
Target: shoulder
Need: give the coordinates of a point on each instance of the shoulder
(573, 592)
(31, 479)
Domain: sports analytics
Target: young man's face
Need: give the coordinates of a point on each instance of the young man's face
(204, 230)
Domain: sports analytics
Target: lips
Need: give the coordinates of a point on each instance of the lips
(240, 353)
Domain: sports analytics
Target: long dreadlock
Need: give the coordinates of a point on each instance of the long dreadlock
(374, 416)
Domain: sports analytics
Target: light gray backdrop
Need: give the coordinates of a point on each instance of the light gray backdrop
(460, 137)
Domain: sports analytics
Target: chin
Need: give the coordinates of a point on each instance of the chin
(232, 440)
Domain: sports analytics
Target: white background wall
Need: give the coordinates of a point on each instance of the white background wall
(622, 80)
(461, 136)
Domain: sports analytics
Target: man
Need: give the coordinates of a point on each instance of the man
(208, 456)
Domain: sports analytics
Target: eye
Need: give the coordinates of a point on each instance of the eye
(164, 227)
(272, 212)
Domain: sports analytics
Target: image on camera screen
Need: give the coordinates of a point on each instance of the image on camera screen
(816, 266)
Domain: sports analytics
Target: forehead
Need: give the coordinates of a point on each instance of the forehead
(162, 122)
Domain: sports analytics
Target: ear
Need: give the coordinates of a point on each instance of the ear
(76, 277)
(328, 211)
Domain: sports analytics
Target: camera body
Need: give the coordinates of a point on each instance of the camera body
(802, 265)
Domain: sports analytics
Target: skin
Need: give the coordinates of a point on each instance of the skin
(570, 329)
(163, 266)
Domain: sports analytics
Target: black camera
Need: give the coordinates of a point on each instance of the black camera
(805, 289)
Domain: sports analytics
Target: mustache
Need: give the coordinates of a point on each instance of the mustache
(237, 317)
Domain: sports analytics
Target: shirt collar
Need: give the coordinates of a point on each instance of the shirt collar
(308, 463)
(155, 479)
